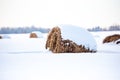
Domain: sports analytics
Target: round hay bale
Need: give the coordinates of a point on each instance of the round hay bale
(33, 35)
(111, 38)
(36, 34)
(61, 40)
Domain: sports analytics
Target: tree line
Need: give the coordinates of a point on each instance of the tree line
(110, 28)
(18, 30)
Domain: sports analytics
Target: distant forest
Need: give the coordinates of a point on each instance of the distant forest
(18, 30)
(110, 28)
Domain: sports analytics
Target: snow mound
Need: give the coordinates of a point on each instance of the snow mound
(38, 33)
(78, 35)
(5, 36)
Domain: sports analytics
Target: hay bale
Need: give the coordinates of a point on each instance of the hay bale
(57, 44)
(33, 35)
(36, 34)
(111, 38)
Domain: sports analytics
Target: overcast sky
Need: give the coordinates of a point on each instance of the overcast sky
(47, 13)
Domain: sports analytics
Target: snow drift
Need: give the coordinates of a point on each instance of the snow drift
(4, 36)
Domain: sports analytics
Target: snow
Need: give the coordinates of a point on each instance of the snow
(59, 67)
(78, 35)
(22, 43)
(5, 36)
(22, 58)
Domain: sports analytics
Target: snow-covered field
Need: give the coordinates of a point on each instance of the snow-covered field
(24, 58)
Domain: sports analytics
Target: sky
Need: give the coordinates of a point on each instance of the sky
(49, 13)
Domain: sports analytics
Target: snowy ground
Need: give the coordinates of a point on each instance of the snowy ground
(22, 58)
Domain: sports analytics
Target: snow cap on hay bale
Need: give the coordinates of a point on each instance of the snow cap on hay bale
(112, 38)
(70, 39)
(36, 34)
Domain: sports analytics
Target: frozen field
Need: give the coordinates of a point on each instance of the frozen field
(22, 58)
